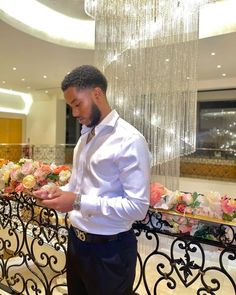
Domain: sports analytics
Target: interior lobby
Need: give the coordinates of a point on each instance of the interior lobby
(174, 79)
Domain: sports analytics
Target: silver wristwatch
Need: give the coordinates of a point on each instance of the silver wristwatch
(77, 202)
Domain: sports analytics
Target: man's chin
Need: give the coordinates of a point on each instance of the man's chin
(83, 122)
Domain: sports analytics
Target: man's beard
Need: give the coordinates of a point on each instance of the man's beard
(95, 116)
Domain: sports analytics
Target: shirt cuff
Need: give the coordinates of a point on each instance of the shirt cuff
(89, 205)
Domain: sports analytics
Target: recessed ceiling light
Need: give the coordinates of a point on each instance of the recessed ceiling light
(218, 66)
(3, 82)
(188, 78)
(45, 76)
(14, 68)
(223, 74)
(213, 53)
(23, 79)
(46, 91)
(129, 65)
(117, 78)
(167, 59)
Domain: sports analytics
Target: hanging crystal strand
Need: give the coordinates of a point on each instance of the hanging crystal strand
(148, 51)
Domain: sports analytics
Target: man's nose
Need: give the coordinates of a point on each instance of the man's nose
(75, 113)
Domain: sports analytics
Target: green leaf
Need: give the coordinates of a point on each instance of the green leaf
(196, 204)
(194, 196)
(52, 176)
(227, 217)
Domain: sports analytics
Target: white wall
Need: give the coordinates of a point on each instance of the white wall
(61, 121)
(46, 120)
(203, 186)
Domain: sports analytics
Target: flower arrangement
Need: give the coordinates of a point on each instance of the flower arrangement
(28, 175)
(211, 204)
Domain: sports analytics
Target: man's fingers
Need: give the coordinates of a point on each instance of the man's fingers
(41, 194)
(53, 189)
(54, 194)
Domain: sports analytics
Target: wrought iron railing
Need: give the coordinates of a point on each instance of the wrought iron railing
(33, 243)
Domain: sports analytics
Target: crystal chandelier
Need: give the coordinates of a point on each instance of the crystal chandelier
(148, 51)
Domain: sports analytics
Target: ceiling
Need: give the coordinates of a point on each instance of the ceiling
(224, 47)
(34, 58)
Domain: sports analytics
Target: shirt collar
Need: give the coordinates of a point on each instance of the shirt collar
(108, 121)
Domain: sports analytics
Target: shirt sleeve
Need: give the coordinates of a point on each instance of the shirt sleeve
(133, 162)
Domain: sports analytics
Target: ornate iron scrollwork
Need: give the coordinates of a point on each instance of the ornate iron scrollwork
(33, 244)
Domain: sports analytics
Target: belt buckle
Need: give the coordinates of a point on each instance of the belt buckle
(80, 235)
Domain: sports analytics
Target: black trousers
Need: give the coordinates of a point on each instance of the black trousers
(101, 269)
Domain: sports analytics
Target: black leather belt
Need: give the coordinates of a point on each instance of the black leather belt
(93, 238)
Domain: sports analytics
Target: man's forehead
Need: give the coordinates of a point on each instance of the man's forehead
(72, 94)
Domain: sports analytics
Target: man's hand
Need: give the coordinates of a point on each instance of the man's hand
(57, 199)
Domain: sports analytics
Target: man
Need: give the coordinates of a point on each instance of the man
(108, 190)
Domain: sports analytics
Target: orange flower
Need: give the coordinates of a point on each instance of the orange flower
(61, 168)
(46, 169)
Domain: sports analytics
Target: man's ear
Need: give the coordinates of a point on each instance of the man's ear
(98, 93)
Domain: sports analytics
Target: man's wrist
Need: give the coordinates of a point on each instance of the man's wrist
(77, 202)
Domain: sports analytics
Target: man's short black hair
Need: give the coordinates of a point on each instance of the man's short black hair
(85, 76)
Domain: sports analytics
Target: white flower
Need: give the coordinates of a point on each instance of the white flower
(213, 198)
(64, 175)
(25, 160)
(53, 166)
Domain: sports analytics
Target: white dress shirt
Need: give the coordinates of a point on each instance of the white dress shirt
(112, 173)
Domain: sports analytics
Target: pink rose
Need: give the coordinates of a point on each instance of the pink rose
(27, 168)
(16, 174)
(226, 205)
(187, 198)
(156, 191)
(19, 188)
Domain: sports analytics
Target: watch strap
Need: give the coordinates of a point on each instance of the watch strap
(77, 202)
